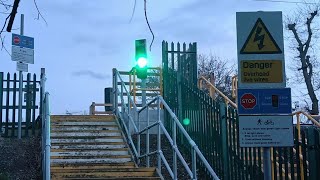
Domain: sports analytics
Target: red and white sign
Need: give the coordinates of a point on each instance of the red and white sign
(16, 40)
(248, 101)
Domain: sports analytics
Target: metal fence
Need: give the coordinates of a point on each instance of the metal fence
(214, 127)
(9, 94)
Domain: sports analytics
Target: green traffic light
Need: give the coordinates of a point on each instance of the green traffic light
(142, 62)
(186, 121)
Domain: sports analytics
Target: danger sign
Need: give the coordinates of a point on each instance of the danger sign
(248, 101)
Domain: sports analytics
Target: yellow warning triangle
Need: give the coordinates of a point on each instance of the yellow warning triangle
(260, 41)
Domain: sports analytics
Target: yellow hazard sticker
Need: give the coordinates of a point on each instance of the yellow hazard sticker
(260, 41)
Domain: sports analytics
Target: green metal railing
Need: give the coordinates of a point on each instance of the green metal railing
(214, 127)
(9, 104)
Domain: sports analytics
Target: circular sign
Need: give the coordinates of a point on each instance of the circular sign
(248, 101)
(16, 40)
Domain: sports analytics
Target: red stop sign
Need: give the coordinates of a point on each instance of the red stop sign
(248, 101)
(16, 40)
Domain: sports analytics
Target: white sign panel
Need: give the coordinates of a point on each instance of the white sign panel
(22, 67)
(260, 38)
(265, 131)
(22, 54)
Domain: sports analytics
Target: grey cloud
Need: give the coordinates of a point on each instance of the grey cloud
(89, 73)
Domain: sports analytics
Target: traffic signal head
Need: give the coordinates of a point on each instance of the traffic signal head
(141, 59)
(142, 62)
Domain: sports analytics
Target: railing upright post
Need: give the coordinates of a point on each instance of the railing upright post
(122, 100)
(115, 90)
(299, 145)
(159, 136)
(194, 163)
(138, 138)
(43, 116)
(147, 140)
(174, 136)
(224, 142)
(48, 145)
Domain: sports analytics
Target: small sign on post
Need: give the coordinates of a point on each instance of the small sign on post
(22, 67)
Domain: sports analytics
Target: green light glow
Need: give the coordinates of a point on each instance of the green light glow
(142, 62)
(186, 121)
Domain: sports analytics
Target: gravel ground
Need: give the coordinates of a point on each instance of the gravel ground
(19, 159)
(168, 153)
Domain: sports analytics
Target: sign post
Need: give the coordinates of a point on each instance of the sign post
(23, 54)
(20, 83)
(264, 104)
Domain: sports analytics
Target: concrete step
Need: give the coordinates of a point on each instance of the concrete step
(91, 153)
(84, 128)
(76, 141)
(87, 149)
(70, 123)
(88, 143)
(80, 166)
(90, 147)
(145, 172)
(81, 156)
(84, 137)
(86, 131)
(79, 118)
(86, 134)
(141, 169)
(92, 161)
(116, 178)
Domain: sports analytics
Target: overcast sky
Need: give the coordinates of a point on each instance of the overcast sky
(84, 40)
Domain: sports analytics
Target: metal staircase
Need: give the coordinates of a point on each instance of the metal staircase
(91, 147)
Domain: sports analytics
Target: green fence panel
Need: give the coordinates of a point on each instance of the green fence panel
(1, 99)
(14, 104)
(9, 92)
(6, 131)
(34, 100)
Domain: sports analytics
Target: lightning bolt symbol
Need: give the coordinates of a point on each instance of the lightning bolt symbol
(259, 38)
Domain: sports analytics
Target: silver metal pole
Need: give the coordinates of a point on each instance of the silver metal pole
(20, 86)
(159, 136)
(143, 86)
(266, 163)
(174, 136)
(147, 140)
(48, 144)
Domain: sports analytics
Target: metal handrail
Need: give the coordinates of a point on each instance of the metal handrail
(46, 144)
(227, 100)
(125, 110)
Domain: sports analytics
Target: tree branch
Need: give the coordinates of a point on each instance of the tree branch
(39, 13)
(309, 21)
(292, 27)
(13, 14)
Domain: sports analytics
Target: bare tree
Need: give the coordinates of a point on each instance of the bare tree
(10, 8)
(302, 28)
(217, 69)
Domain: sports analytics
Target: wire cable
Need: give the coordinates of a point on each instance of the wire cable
(145, 15)
(134, 10)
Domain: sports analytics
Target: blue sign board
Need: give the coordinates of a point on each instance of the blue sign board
(266, 101)
(22, 41)
(22, 49)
